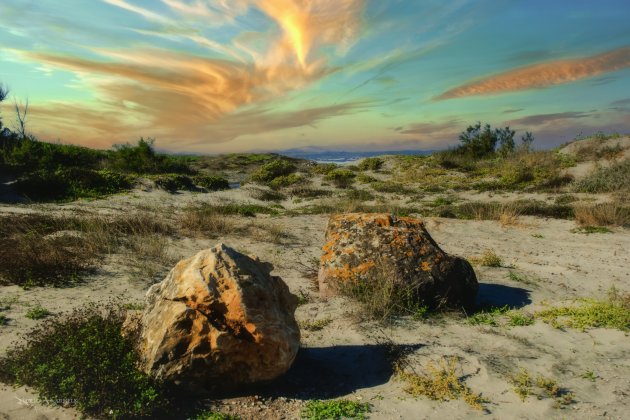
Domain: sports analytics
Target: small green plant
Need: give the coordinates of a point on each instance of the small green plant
(488, 259)
(591, 229)
(303, 298)
(589, 375)
(441, 383)
(3, 320)
(317, 325)
(38, 312)
(522, 384)
(488, 317)
(542, 387)
(336, 409)
(519, 319)
(537, 236)
(522, 278)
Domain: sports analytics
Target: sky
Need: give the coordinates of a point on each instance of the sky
(217, 76)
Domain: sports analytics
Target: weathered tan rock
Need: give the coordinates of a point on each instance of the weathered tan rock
(363, 248)
(220, 320)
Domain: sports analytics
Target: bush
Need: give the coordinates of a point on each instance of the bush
(174, 182)
(339, 409)
(211, 183)
(271, 170)
(72, 183)
(84, 359)
(142, 158)
(371, 163)
(285, 181)
(323, 168)
(614, 178)
(341, 178)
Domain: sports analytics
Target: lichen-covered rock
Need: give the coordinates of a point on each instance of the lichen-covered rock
(219, 320)
(362, 248)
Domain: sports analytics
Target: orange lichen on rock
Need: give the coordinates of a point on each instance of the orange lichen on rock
(357, 243)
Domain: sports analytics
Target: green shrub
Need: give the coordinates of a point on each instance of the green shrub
(83, 358)
(174, 182)
(271, 170)
(337, 409)
(341, 178)
(211, 183)
(371, 163)
(613, 178)
(142, 159)
(285, 181)
(38, 312)
(323, 168)
(71, 183)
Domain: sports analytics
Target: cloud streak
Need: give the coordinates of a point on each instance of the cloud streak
(543, 75)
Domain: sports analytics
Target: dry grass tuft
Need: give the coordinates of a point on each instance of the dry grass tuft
(488, 259)
(441, 382)
(604, 214)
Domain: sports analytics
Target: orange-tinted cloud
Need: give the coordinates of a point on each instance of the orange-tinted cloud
(187, 97)
(544, 74)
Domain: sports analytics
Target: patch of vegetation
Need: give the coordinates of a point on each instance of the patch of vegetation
(336, 409)
(38, 312)
(71, 184)
(286, 181)
(361, 195)
(542, 387)
(589, 375)
(390, 187)
(504, 211)
(3, 320)
(38, 249)
(589, 313)
(591, 229)
(371, 164)
(83, 357)
(304, 191)
(323, 168)
(341, 178)
(441, 383)
(383, 296)
(501, 316)
(316, 325)
(522, 278)
(269, 171)
(174, 182)
(488, 259)
(211, 183)
(613, 178)
(603, 214)
(267, 195)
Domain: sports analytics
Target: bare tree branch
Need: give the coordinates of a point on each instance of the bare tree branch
(21, 113)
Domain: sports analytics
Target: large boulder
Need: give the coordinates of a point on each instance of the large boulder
(363, 248)
(219, 320)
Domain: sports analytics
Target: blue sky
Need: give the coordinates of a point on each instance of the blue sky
(216, 76)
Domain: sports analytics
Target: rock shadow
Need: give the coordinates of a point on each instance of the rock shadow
(501, 295)
(331, 372)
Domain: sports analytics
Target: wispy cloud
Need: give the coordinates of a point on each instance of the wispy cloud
(541, 119)
(544, 74)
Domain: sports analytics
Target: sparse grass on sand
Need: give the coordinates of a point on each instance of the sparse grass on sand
(440, 382)
(335, 409)
(542, 387)
(488, 259)
(611, 213)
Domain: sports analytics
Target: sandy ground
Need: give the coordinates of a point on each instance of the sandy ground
(346, 358)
